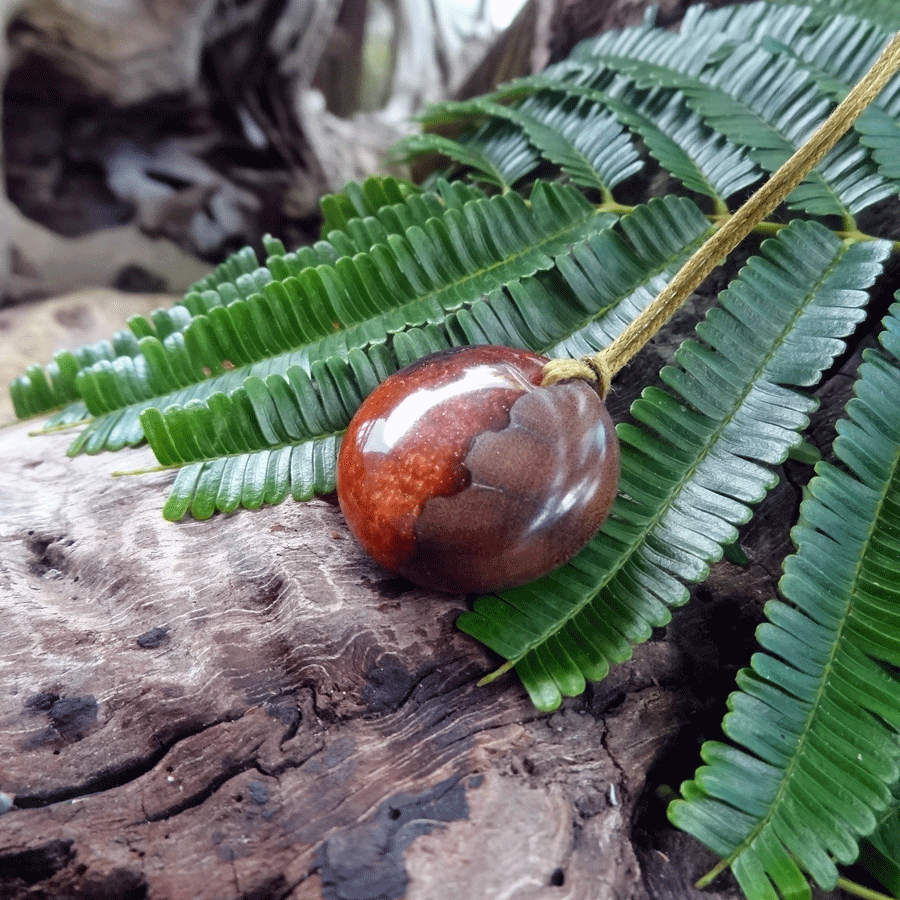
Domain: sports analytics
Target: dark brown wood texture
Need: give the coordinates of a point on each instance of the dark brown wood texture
(247, 707)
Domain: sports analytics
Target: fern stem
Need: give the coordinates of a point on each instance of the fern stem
(149, 470)
(720, 208)
(859, 890)
(600, 368)
(857, 235)
(52, 429)
(493, 676)
(712, 874)
(611, 206)
(769, 228)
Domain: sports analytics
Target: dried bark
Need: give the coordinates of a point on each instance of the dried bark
(248, 707)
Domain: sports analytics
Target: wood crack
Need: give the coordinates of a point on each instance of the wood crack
(110, 780)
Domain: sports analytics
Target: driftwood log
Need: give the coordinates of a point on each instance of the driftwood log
(250, 708)
(247, 707)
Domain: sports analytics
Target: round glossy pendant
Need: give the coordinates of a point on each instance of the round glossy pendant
(462, 473)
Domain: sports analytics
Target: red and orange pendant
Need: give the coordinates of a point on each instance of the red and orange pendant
(462, 472)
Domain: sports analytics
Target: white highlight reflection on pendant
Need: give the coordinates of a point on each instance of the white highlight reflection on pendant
(386, 433)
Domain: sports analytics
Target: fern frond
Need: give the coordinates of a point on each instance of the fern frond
(362, 201)
(703, 36)
(702, 160)
(690, 474)
(584, 141)
(632, 268)
(676, 137)
(410, 280)
(596, 289)
(500, 154)
(837, 55)
(758, 22)
(242, 262)
(765, 102)
(725, 66)
(252, 480)
(840, 51)
(385, 206)
(592, 154)
(41, 389)
(881, 12)
(817, 719)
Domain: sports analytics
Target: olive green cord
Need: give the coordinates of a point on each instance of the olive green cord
(600, 368)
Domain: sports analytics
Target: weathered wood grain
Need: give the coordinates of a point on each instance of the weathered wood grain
(247, 707)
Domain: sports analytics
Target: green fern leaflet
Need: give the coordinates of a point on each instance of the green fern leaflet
(817, 717)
